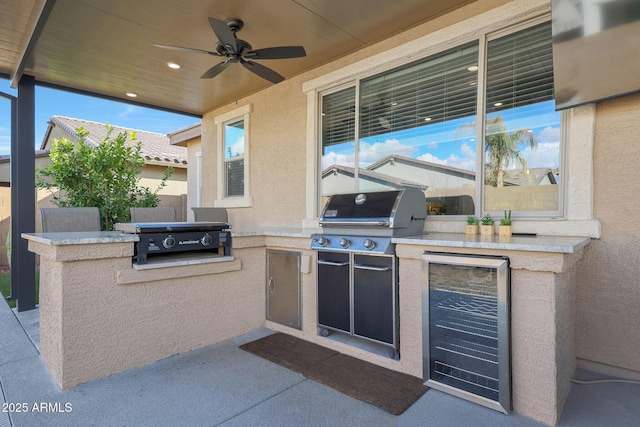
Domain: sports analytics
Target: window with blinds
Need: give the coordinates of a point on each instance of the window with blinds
(439, 89)
(418, 126)
(522, 128)
(234, 158)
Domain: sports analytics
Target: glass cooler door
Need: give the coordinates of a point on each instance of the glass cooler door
(466, 328)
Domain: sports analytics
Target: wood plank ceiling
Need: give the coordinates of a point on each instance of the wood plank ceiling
(105, 47)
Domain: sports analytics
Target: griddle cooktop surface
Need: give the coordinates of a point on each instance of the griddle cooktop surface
(170, 227)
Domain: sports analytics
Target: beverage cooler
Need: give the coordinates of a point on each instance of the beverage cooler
(466, 336)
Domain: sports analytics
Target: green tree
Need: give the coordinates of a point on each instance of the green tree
(105, 176)
(502, 148)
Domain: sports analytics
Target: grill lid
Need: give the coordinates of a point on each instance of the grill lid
(388, 209)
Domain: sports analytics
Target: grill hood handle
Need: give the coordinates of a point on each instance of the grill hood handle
(379, 223)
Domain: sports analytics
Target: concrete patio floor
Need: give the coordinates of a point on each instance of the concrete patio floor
(222, 385)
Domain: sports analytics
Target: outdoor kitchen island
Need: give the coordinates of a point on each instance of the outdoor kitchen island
(100, 316)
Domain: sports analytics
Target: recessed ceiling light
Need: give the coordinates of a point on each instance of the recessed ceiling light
(427, 119)
(472, 68)
(497, 104)
(132, 94)
(173, 65)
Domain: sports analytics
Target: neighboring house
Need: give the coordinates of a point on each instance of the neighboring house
(336, 178)
(155, 148)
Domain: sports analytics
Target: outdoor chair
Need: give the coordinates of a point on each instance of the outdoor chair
(163, 214)
(56, 220)
(210, 214)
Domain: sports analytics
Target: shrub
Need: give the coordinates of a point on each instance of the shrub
(105, 176)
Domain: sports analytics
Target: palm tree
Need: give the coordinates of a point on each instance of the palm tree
(502, 148)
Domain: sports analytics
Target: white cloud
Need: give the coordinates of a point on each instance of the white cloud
(127, 111)
(467, 151)
(237, 148)
(428, 157)
(333, 158)
(370, 153)
(549, 134)
(432, 145)
(466, 161)
(544, 155)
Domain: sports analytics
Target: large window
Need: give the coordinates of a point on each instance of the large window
(474, 127)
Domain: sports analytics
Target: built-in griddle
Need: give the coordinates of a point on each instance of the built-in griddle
(163, 238)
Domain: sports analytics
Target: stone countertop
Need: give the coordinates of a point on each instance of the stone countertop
(557, 244)
(304, 233)
(89, 237)
(81, 237)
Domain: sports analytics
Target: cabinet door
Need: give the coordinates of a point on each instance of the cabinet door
(283, 288)
(334, 299)
(374, 298)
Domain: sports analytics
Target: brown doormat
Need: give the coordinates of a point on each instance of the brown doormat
(390, 390)
(290, 352)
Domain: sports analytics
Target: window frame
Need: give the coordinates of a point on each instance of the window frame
(481, 112)
(575, 216)
(222, 200)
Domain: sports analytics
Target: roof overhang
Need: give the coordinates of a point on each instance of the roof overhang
(106, 47)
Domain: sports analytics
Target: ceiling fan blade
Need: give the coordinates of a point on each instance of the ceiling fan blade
(215, 70)
(224, 34)
(282, 52)
(262, 71)
(186, 49)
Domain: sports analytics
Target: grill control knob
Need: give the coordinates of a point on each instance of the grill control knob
(345, 243)
(206, 240)
(369, 244)
(322, 241)
(169, 242)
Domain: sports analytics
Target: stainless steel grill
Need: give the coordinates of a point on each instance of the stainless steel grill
(357, 268)
(366, 222)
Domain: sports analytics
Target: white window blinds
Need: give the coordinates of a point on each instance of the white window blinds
(440, 88)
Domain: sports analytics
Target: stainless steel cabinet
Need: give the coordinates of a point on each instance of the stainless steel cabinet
(283, 288)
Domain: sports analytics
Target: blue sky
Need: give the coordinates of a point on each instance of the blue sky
(50, 102)
(453, 143)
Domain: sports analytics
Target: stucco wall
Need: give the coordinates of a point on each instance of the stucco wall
(609, 280)
(99, 316)
(608, 294)
(278, 154)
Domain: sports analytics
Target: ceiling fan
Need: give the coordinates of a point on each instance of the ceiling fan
(237, 50)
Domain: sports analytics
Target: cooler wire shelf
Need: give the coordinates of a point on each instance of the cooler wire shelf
(467, 377)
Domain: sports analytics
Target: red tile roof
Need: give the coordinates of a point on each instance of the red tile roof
(153, 146)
